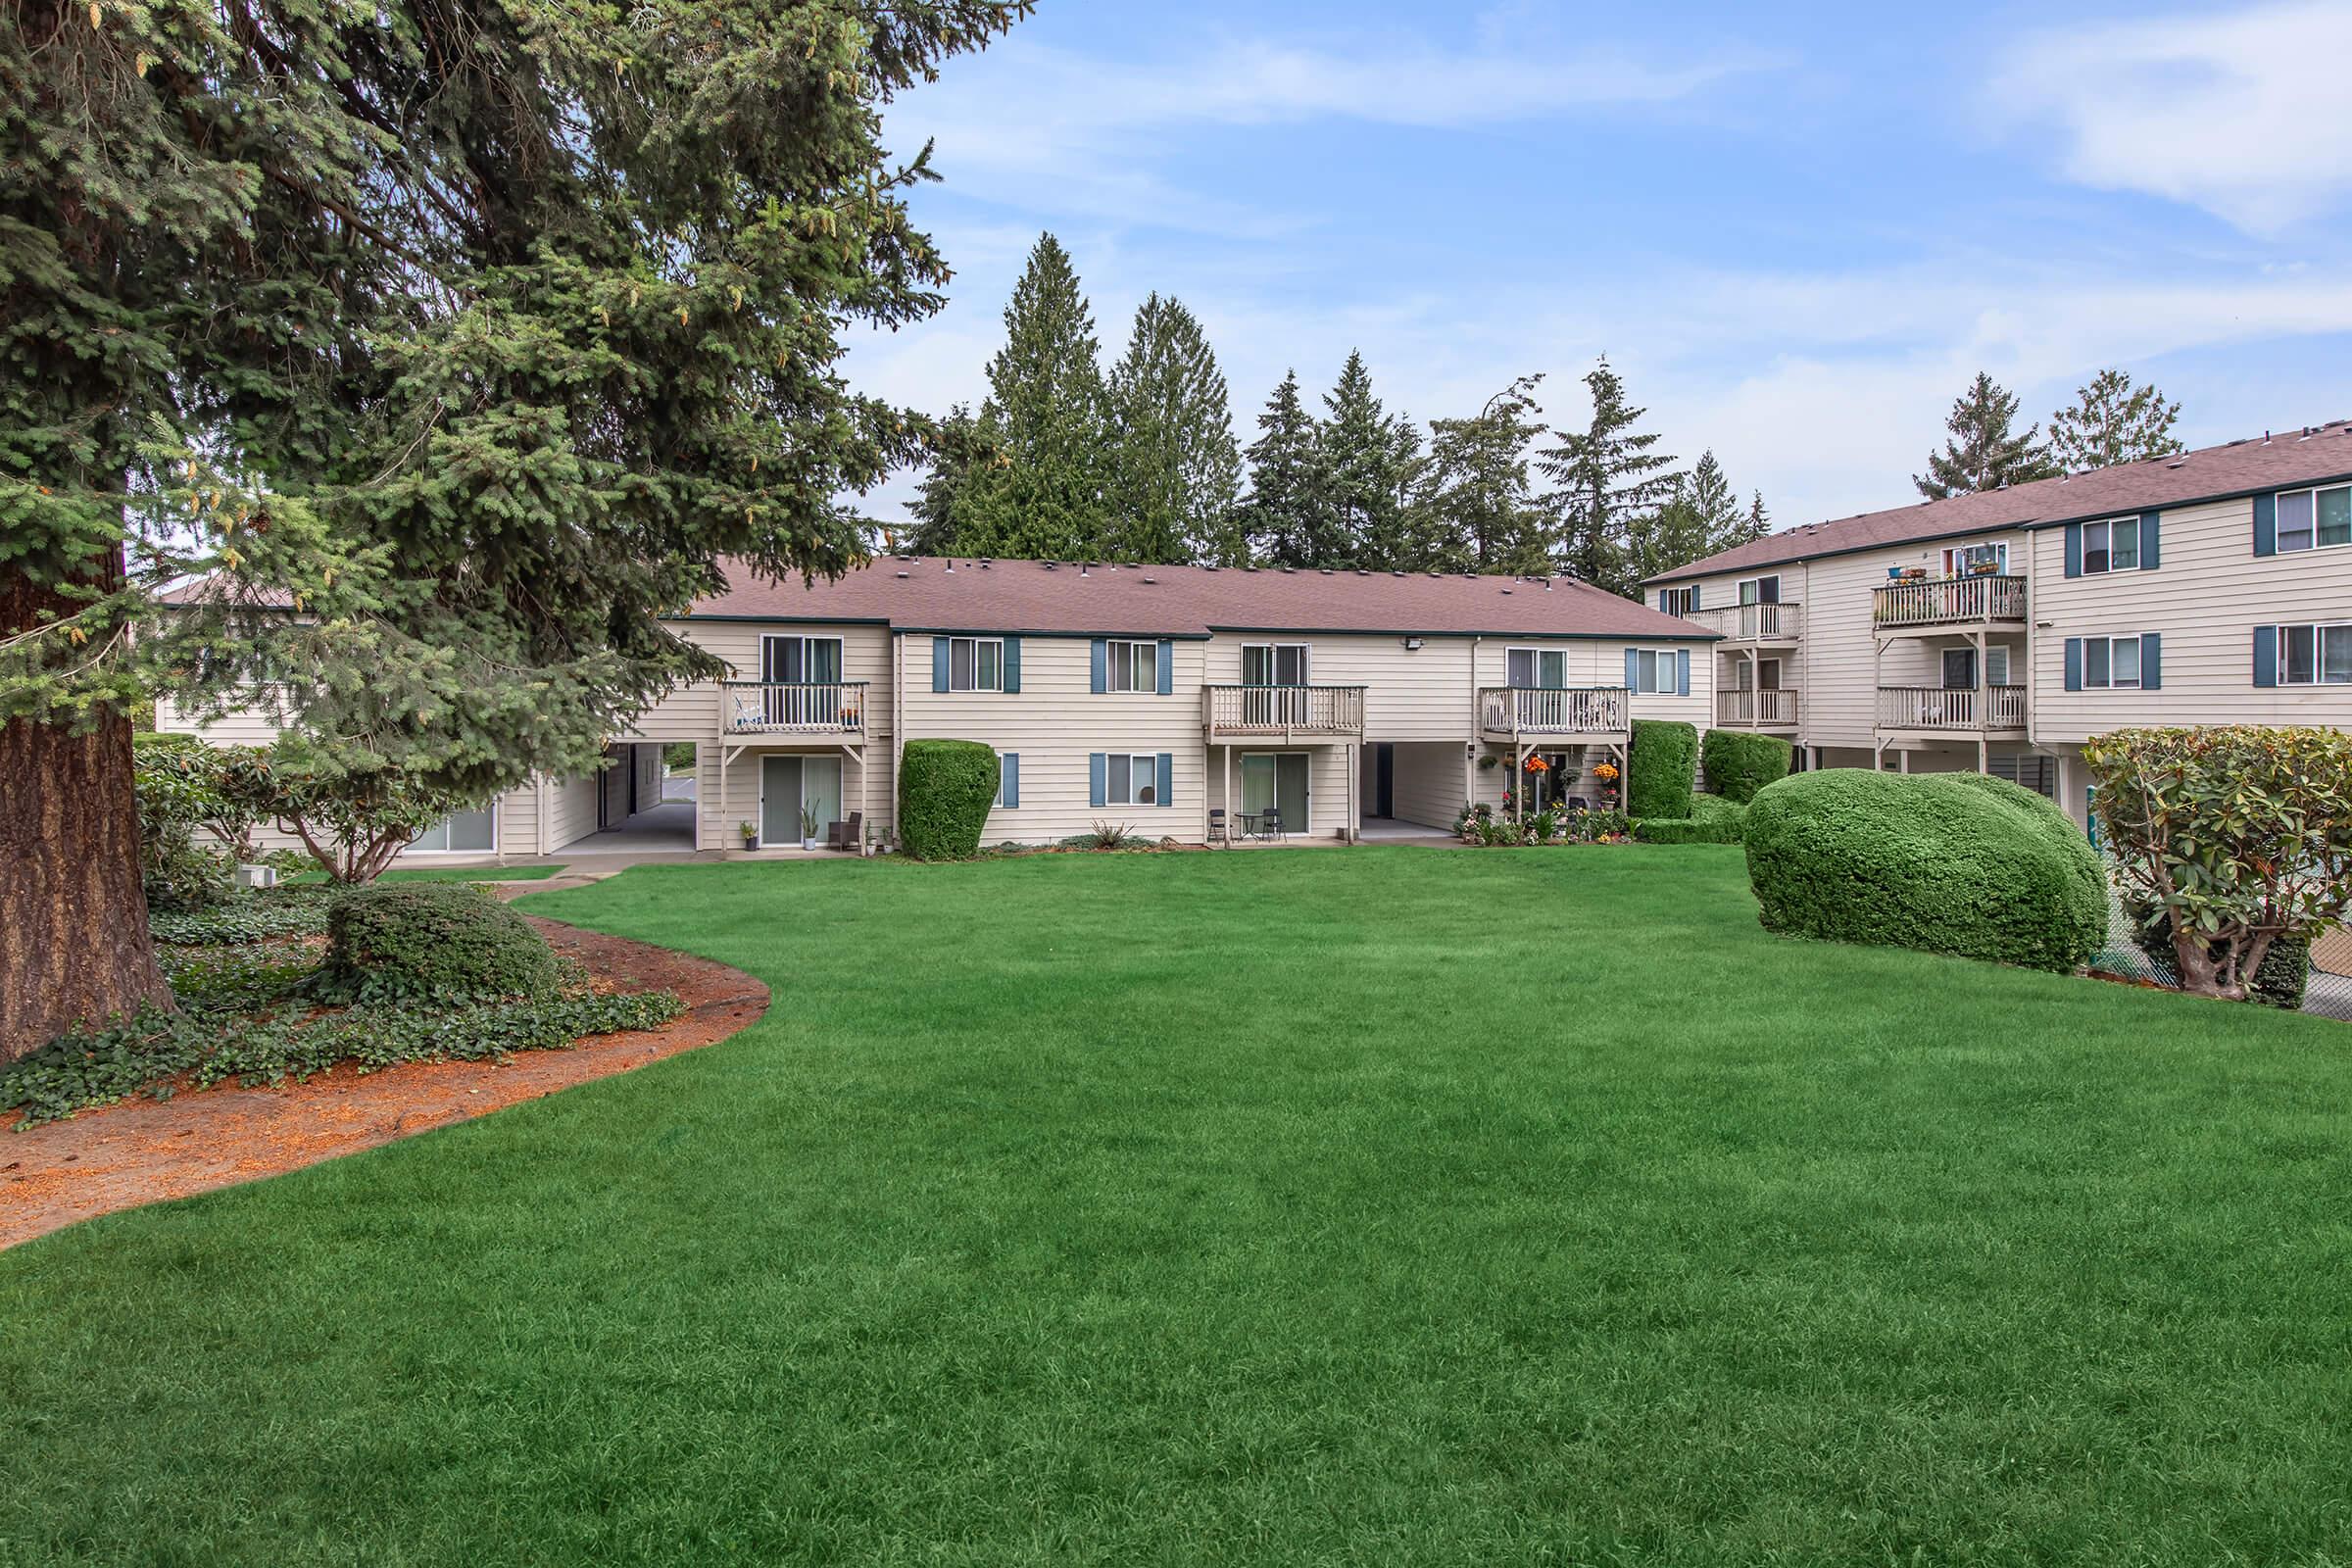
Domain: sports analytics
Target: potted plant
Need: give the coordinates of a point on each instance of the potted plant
(807, 827)
(1606, 772)
(751, 835)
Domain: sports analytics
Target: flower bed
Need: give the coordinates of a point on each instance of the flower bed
(1484, 826)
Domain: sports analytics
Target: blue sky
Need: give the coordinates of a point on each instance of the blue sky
(1796, 231)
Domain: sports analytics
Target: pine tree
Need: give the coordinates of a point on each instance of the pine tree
(1702, 516)
(962, 445)
(1365, 461)
(485, 332)
(1175, 468)
(1983, 450)
(1609, 485)
(2113, 422)
(1047, 493)
(1758, 522)
(1280, 520)
(1482, 510)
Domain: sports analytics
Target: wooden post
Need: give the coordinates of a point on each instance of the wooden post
(1227, 801)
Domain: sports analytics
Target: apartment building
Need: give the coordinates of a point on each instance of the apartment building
(1998, 632)
(1175, 699)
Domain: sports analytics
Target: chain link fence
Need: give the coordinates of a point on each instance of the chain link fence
(2328, 994)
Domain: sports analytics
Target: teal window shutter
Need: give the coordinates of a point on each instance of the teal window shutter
(1633, 666)
(2074, 664)
(2148, 554)
(2266, 655)
(939, 663)
(2266, 525)
(1165, 776)
(1011, 780)
(2074, 549)
(1695, 596)
(1681, 672)
(1166, 661)
(2151, 662)
(1098, 774)
(1013, 663)
(1102, 671)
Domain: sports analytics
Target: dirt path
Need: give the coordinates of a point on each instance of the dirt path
(145, 1151)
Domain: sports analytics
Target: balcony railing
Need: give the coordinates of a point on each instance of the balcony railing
(764, 708)
(1755, 623)
(1939, 708)
(1755, 709)
(1956, 599)
(1552, 711)
(1283, 710)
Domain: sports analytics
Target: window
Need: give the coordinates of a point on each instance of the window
(1653, 670)
(461, 833)
(1535, 668)
(975, 664)
(1130, 780)
(1754, 674)
(1960, 667)
(1962, 560)
(2111, 546)
(2111, 663)
(1274, 664)
(1676, 600)
(786, 661)
(1134, 667)
(1008, 780)
(2315, 518)
(2315, 655)
(1760, 590)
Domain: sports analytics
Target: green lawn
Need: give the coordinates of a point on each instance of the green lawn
(1381, 1206)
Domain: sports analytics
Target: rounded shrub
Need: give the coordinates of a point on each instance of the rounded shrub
(431, 942)
(1663, 758)
(944, 790)
(1712, 820)
(1740, 764)
(1948, 862)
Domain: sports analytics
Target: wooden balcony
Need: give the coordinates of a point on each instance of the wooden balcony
(1507, 714)
(762, 708)
(1765, 625)
(1923, 709)
(1773, 709)
(1951, 602)
(1282, 713)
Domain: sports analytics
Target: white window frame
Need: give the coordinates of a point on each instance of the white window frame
(1663, 667)
(1675, 601)
(1273, 652)
(2107, 527)
(2311, 532)
(1150, 761)
(2319, 630)
(1955, 557)
(411, 847)
(976, 644)
(768, 638)
(1740, 588)
(1137, 650)
(2110, 684)
(1538, 654)
(1306, 827)
(998, 804)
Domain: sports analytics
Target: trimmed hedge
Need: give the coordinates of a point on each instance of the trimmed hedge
(1740, 764)
(945, 791)
(1662, 758)
(431, 942)
(2279, 982)
(1712, 820)
(1946, 862)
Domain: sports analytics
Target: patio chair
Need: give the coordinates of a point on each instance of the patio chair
(848, 835)
(1269, 823)
(1218, 832)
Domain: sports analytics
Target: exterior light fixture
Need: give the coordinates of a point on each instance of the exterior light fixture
(1413, 645)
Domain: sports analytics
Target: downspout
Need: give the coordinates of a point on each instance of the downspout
(898, 721)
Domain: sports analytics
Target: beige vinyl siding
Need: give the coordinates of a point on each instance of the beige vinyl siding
(570, 809)
(252, 724)
(1409, 695)
(1427, 784)
(1055, 721)
(2205, 599)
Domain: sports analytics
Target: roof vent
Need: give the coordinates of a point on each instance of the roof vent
(984, 561)
(1396, 574)
(1326, 571)
(2306, 435)
(2178, 463)
(1506, 590)
(1210, 567)
(903, 576)
(1288, 571)
(1049, 566)
(1250, 569)
(1152, 579)
(2266, 438)
(950, 569)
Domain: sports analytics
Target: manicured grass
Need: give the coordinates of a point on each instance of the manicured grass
(442, 873)
(1387, 1205)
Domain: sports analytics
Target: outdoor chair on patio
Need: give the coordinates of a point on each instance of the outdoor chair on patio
(848, 835)
(1218, 833)
(1269, 823)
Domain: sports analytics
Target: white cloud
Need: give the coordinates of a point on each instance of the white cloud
(2244, 113)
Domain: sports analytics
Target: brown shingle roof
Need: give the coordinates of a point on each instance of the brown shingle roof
(960, 594)
(2209, 473)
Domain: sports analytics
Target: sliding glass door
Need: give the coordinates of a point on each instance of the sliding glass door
(1278, 781)
(787, 784)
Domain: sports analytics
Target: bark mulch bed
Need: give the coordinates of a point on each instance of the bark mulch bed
(145, 1151)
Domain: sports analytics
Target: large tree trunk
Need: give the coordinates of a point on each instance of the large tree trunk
(74, 943)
